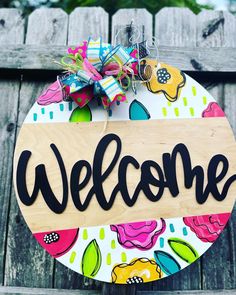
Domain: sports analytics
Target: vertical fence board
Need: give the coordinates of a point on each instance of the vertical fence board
(27, 263)
(216, 29)
(11, 32)
(11, 26)
(177, 27)
(123, 17)
(143, 20)
(85, 22)
(47, 26)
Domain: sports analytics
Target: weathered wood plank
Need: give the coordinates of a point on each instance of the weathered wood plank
(185, 58)
(8, 116)
(177, 27)
(189, 292)
(11, 31)
(85, 22)
(47, 26)
(216, 29)
(27, 264)
(230, 103)
(41, 291)
(11, 26)
(37, 291)
(140, 18)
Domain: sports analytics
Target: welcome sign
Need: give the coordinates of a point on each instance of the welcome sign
(132, 197)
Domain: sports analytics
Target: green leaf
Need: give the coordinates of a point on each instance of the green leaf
(81, 115)
(91, 260)
(183, 249)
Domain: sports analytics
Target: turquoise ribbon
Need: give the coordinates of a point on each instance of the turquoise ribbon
(99, 55)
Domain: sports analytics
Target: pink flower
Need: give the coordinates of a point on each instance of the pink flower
(213, 110)
(140, 235)
(207, 227)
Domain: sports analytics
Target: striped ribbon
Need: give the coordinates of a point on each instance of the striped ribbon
(99, 55)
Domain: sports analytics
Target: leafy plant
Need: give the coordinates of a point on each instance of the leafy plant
(111, 6)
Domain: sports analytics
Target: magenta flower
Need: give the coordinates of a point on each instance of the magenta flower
(213, 110)
(140, 235)
(207, 227)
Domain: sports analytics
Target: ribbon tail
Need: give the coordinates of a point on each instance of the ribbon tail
(76, 82)
(112, 90)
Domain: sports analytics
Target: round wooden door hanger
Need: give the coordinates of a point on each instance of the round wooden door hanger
(134, 193)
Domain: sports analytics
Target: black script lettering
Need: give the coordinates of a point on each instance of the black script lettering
(41, 182)
(164, 178)
(98, 176)
(75, 187)
(169, 166)
(148, 179)
(213, 179)
(122, 176)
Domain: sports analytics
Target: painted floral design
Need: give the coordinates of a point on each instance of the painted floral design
(213, 110)
(140, 270)
(140, 235)
(162, 78)
(207, 227)
(58, 243)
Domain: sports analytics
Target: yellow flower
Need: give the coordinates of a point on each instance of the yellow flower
(162, 78)
(140, 270)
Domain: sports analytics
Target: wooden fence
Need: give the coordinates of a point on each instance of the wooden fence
(204, 45)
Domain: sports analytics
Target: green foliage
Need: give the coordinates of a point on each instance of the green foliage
(153, 6)
(111, 6)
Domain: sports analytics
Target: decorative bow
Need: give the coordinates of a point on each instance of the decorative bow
(97, 69)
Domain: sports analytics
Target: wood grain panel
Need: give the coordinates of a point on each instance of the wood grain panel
(153, 138)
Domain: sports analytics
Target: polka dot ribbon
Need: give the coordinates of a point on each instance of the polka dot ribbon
(97, 69)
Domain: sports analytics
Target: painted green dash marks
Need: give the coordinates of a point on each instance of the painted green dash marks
(204, 100)
(72, 257)
(164, 112)
(85, 234)
(123, 257)
(113, 244)
(108, 259)
(191, 110)
(185, 101)
(102, 234)
(194, 90)
(176, 110)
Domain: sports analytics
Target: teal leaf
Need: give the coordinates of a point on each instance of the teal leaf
(183, 249)
(91, 260)
(137, 111)
(167, 263)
